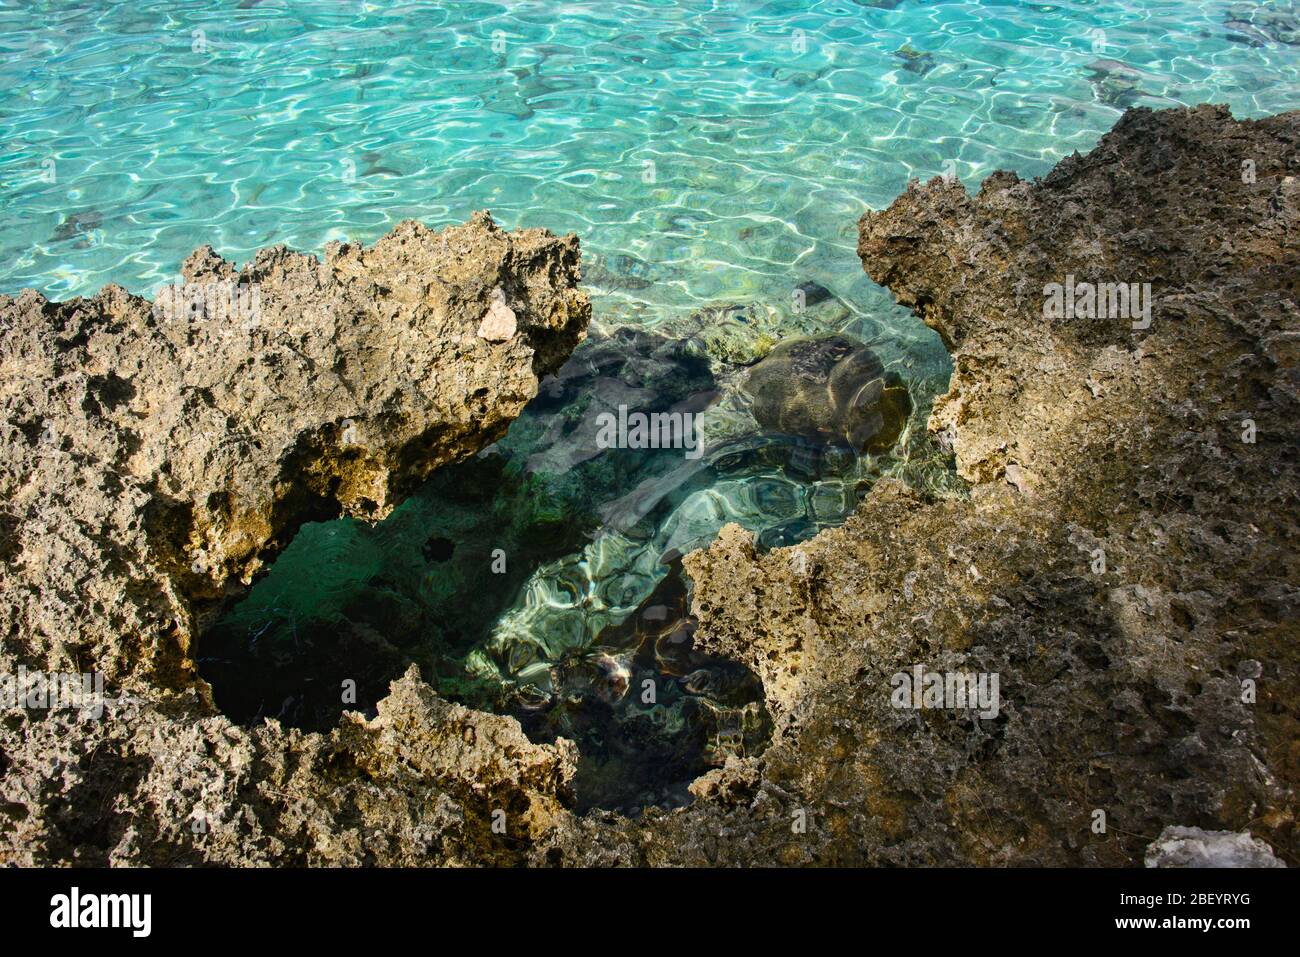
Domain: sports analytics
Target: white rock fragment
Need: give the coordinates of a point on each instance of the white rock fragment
(1193, 847)
(499, 323)
(1019, 479)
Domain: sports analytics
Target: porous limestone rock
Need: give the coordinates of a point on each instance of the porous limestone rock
(155, 458)
(1125, 560)
(150, 458)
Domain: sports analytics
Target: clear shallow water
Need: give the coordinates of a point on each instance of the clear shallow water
(714, 157)
(311, 120)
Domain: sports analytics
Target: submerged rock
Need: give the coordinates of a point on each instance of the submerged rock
(1116, 83)
(1260, 23)
(77, 224)
(830, 389)
(916, 61)
(620, 273)
(741, 333)
(648, 712)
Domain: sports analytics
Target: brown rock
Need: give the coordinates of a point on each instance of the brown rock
(156, 455)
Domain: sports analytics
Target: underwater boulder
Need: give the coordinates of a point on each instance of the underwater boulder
(915, 61)
(1259, 23)
(649, 712)
(77, 224)
(832, 389)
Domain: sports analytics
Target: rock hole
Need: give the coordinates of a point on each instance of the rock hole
(541, 578)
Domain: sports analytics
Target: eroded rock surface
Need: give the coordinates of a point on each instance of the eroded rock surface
(155, 458)
(1126, 560)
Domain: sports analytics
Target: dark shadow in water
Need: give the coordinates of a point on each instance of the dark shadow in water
(348, 607)
(648, 712)
(347, 602)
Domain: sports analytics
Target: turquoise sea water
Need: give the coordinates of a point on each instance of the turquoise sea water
(772, 125)
(714, 158)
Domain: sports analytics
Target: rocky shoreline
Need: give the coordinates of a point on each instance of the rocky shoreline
(1124, 561)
